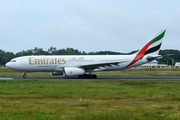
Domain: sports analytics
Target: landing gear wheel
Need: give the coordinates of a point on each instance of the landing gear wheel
(94, 76)
(80, 76)
(85, 75)
(24, 76)
(89, 76)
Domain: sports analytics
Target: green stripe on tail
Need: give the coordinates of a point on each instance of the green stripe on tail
(158, 37)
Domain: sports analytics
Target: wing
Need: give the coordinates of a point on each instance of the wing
(99, 65)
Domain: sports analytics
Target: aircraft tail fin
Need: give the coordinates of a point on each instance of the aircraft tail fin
(153, 46)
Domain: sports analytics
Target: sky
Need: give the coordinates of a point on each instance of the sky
(87, 25)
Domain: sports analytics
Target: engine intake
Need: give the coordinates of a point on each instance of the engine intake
(56, 73)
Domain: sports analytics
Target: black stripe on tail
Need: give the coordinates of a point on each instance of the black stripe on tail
(154, 49)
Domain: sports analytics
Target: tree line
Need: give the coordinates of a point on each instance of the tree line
(7, 56)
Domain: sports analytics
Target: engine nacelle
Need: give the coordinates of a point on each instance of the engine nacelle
(73, 71)
(56, 73)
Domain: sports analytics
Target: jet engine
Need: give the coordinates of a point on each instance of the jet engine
(73, 71)
(56, 73)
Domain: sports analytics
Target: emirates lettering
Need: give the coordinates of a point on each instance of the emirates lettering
(46, 61)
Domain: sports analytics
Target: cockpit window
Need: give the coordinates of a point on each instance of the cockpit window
(13, 60)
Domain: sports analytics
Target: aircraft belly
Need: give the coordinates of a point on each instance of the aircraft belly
(41, 68)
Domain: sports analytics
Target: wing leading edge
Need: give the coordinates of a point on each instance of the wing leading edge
(99, 65)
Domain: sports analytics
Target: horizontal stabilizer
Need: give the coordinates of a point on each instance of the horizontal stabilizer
(156, 57)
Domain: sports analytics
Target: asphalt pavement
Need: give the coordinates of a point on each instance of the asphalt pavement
(98, 78)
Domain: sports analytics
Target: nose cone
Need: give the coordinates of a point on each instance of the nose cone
(7, 64)
(13, 65)
(10, 65)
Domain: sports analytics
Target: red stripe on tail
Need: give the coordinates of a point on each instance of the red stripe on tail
(140, 53)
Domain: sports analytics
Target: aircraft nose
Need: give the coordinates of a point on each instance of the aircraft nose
(7, 64)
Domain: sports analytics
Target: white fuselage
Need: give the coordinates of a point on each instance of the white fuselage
(56, 63)
(78, 65)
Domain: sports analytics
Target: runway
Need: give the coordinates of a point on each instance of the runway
(98, 78)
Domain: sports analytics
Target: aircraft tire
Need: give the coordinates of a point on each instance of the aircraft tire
(94, 76)
(89, 76)
(80, 76)
(24, 76)
(85, 76)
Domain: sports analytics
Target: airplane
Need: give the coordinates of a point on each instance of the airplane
(84, 65)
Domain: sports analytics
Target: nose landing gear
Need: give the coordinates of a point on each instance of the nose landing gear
(24, 76)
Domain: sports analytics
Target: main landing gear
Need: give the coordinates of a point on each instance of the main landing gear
(24, 76)
(94, 76)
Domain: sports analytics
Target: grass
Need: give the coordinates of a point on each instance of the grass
(143, 72)
(6, 72)
(35, 99)
(39, 100)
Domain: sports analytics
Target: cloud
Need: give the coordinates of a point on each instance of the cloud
(114, 25)
(66, 28)
(9, 7)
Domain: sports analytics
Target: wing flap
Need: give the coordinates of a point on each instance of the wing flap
(99, 65)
